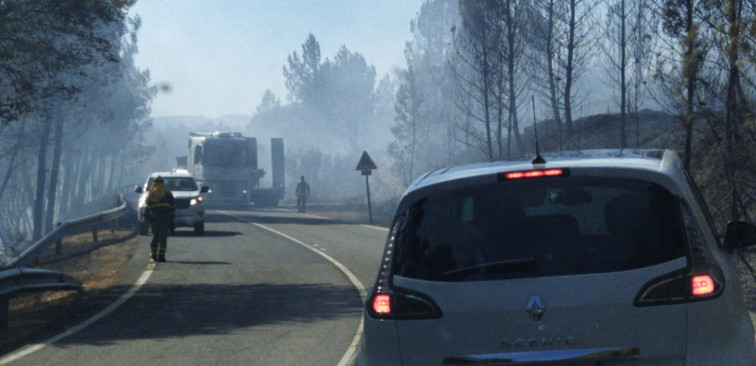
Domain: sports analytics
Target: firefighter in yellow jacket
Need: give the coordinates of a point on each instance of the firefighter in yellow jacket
(159, 212)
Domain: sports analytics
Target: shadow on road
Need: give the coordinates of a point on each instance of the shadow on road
(166, 311)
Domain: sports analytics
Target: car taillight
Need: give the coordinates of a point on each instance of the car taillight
(382, 304)
(535, 173)
(388, 302)
(702, 285)
(701, 280)
(679, 287)
(403, 304)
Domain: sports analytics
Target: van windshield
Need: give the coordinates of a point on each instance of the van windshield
(536, 228)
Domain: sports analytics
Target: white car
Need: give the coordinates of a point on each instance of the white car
(190, 210)
(593, 257)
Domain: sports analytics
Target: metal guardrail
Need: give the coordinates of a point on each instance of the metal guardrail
(37, 248)
(22, 279)
(15, 278)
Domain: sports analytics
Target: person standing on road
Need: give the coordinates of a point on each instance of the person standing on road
(303, 191)
(159, 211)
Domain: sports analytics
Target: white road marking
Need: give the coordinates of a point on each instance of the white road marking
(376, 227)
(351, 352)
(25, 351)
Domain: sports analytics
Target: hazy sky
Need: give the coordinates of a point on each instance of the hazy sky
(219, 56)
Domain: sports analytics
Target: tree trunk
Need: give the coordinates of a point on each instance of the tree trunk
(54, 171)
(623, 83)
(500, 105)
(69, 170)
(553, 87)
(486, 97)
(39, 197)
(568, 70)
(12, 159)
(511, 33)
(733, 115)
(85, 170)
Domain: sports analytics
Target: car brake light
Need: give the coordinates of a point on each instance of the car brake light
(539, 173)
(388, 302)
(701, 280)
(382, 304)
(402, 304)
(702, 285)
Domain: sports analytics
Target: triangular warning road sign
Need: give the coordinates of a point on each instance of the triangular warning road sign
(366, 163)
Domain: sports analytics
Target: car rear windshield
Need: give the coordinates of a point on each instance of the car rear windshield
(177, 183)
(538, 227)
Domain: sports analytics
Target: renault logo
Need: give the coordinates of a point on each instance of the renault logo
(536, 308)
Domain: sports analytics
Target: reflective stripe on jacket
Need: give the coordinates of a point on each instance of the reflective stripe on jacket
(162, 210)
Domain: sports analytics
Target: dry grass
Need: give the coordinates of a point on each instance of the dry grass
(97, 266)
(353, 213)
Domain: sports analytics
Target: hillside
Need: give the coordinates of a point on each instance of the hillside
(601, 131)
(655, 130)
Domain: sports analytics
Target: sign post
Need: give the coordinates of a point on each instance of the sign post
(366, 165)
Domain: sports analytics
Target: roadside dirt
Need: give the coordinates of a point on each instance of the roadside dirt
(351, 213)
(96, 265)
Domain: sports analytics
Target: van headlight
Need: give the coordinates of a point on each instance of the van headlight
(193, 201)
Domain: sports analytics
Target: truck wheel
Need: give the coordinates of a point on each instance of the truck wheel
(144, 228)
(199, 228)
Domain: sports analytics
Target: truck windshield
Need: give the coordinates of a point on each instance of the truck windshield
(225, 153)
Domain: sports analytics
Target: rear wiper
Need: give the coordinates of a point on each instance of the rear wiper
(528, 264)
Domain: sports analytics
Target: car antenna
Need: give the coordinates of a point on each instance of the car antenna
(538, 159)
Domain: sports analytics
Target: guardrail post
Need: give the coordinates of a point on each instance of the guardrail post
(59, 243)
(94, 234)
(4, 304)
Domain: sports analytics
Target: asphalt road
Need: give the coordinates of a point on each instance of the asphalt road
(253, 290)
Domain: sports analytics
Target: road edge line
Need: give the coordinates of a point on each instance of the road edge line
(27, 350)
(376, 227)
(349, 355)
